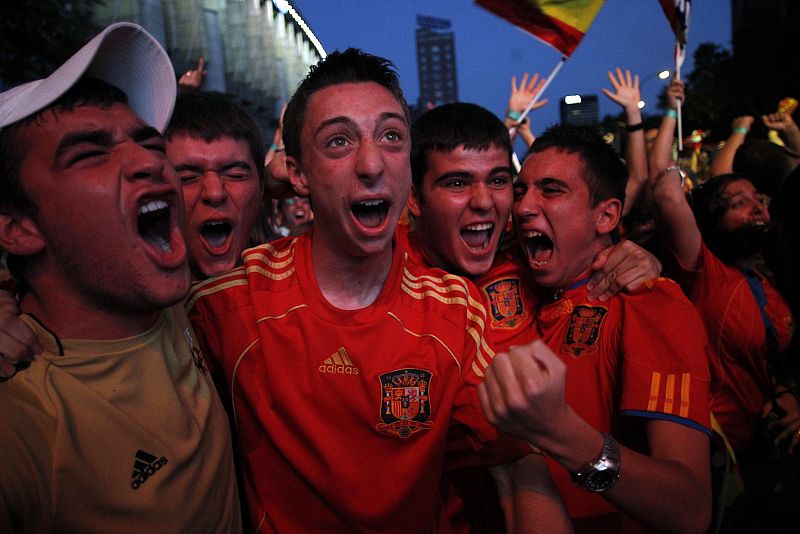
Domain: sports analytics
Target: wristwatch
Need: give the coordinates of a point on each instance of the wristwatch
(603, 473)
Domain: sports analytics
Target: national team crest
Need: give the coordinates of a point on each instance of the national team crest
(405, 402)
(583, 330)
(507, 308)
(197, 354)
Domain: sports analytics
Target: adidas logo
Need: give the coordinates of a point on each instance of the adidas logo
(144, 466)
(338, 364)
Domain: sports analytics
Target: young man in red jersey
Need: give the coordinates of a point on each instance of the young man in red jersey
(346, 361)
(633, 366)
(461, 203)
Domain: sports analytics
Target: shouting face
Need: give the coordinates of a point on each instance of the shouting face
(463, 207)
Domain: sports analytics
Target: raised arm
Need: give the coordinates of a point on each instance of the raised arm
(626, 94)
(192, 79)
(786, 128)
(521, 95)
(675, 221)
(723, 160)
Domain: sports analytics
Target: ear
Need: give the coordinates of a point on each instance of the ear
(20, 235)
(413, 203)
(607, 213)
(297, 177)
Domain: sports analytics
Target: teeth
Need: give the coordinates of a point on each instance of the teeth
(480, 227)
(153, 205)
(539, 263)
(370, 203)
(531, 234)
(215, 223)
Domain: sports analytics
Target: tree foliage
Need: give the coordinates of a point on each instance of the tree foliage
(39, 35)
(750, 81)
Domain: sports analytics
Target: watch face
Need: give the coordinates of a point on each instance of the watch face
(601, 480)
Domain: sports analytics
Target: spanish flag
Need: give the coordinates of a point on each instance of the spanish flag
(559, 23)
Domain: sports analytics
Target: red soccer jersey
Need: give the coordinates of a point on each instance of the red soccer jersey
(468, 490)
(737, 335)
(640, 354)
(342, 415)
(506, 290)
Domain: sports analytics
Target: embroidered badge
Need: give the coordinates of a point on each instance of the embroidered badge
(583, 330)
(405, 402)
(507, 308)
(197, 354)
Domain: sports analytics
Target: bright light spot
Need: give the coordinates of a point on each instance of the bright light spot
(282, 5)
(572, 99)
(641, 104)
(664, 74)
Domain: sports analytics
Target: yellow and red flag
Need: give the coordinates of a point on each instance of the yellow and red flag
(559, 23)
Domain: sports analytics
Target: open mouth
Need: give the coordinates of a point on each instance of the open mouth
(538, 247)
(477, 236)
(216, 233)
(371, 213)
(154, 223)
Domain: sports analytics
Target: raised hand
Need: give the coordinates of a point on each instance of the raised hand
(522, 94)
(626, 89)
(192, 80)
(676, 92)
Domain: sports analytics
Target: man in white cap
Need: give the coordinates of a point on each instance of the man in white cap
(116, 426)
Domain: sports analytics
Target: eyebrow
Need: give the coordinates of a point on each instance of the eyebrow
(550, 180)
(200, 168)
(101, 138)
(498, 170)
(385, 116)
(94, 137)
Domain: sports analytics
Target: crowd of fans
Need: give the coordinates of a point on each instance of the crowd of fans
(405, 331)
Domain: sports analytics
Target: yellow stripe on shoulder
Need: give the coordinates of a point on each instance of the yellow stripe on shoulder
(255, 269)
(270, 257)
(444, 287)
(215, 285)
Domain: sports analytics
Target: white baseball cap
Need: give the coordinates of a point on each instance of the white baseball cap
(125, 56)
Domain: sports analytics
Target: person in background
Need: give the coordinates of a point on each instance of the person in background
(217, 151)
(723, 249)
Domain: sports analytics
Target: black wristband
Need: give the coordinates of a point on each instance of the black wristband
(634, 127)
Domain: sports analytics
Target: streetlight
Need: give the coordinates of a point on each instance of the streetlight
(664, 74)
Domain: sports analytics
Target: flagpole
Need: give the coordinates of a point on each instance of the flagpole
(539, 94)
(680, 51)
(533, 101)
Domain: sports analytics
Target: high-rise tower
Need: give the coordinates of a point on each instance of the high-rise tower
(436, 61)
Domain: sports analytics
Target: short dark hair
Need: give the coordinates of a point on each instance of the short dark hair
(86, 91)
(606, 174)
(350, 66)
(450, 126)
(211, 116)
